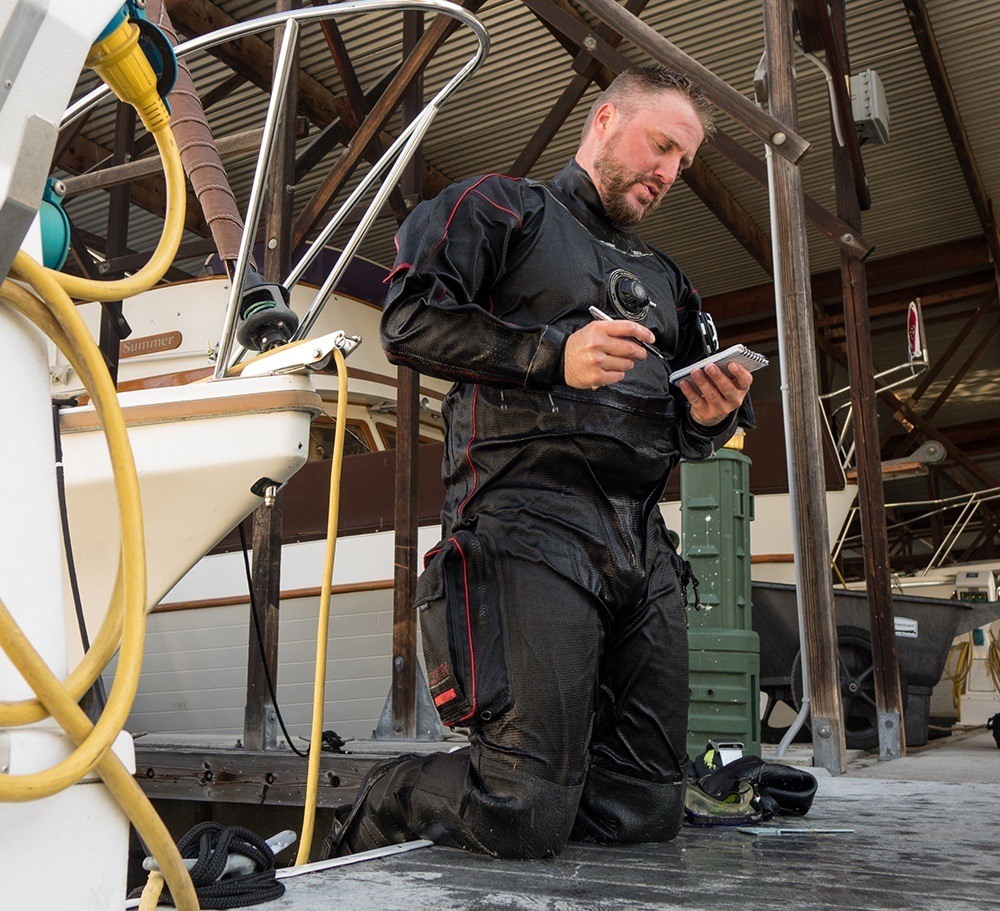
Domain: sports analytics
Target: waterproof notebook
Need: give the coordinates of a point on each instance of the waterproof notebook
(738, 354)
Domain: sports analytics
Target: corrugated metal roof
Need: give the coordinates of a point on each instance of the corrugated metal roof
(919, 195)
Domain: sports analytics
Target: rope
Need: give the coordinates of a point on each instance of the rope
(212, 844)
(958, 667)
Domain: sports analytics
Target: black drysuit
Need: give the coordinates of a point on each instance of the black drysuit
(552, 612)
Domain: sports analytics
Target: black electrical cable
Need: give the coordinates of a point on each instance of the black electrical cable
(57, 404)
(260, 645)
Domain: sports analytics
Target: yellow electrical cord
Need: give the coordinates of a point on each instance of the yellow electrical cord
(55, 314)
(27, 711)
(151, 892)
(163, 256)
(323, 631)
(85, 758)
(122, 64)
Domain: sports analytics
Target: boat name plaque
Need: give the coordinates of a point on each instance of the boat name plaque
(149, 344)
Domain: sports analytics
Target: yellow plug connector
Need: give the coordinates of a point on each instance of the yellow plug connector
(120, 62)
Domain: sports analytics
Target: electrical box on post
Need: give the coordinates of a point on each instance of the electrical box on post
(869, 108)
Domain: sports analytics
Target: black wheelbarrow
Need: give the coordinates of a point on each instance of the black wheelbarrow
(925, 629)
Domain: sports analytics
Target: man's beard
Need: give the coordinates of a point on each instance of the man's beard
(615, 185)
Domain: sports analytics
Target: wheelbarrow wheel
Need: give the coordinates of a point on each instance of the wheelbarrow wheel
(857, 687)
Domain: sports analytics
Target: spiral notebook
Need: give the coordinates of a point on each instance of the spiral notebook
(738, 354)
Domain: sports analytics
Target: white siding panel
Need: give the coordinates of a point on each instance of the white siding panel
(194, 673)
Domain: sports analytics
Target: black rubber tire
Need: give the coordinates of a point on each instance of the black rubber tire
(857, 687)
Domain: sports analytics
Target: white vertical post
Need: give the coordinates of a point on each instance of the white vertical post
(31, 576)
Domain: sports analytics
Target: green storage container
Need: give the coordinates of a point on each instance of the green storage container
(724, 678)
(716, 511)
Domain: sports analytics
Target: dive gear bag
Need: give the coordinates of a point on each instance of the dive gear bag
(745, 790)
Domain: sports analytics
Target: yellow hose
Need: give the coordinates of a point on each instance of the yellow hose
(122, 64)
(26, 711)
(126, 683)
(55, 314)
(323, 631)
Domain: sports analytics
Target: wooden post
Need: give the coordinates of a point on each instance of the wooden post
(113, 324)
(888, 696)
(805, 458)
(404, 629)
(260, 728)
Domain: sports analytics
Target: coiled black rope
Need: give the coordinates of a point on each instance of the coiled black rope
(212, 843)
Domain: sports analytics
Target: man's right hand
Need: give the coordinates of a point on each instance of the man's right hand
(602, 352)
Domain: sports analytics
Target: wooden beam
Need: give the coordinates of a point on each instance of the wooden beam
(833, 34)
(901, 277)
(809, 517)
(201, 249)
(337, 132)
(861, 373)
(559, 35)
(260, 722)
(404, 621)
(380, 113)
(762, 329)
(724, 206)
(785, 141)
(82, 154)
(259, 778)
(98, 243)
(147, 141)
(833, 227)
(358, 107)
(237, 146)
(702, 180)
(592, 42)
(923, 31)
(587, 69)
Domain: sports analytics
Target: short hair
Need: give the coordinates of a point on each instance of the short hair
(649, 79)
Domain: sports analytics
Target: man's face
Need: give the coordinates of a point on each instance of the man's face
(646, 146)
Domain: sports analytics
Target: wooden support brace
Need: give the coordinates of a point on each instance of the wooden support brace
(785, 141)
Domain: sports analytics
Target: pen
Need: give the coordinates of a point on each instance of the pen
(600, 314)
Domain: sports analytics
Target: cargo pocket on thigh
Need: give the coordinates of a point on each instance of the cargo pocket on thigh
(461, 622)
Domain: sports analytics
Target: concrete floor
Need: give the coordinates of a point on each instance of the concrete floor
(971, 756)
(911, 845)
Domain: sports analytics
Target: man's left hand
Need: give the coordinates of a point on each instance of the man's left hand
(714, 393)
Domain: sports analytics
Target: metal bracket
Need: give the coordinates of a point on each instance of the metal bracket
(312, 355)
(428, 723)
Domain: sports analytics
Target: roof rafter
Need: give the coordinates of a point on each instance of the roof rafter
(378, 116)
(357, 105)
(923, 31)
(580, 38)
(587, 70)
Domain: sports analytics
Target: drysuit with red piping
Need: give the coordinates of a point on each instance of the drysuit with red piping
(552, 612)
